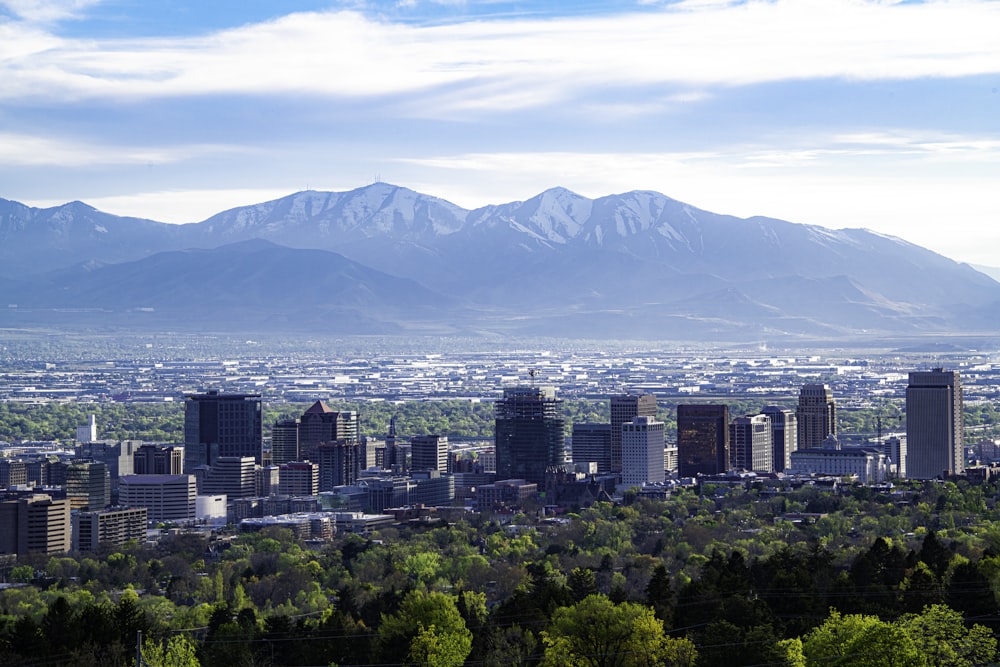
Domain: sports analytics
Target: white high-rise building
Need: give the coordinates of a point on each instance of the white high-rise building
(642, 452)
(625, 408)
(87, 433)
(751, 444)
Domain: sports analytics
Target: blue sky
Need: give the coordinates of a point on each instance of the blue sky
(841, 113)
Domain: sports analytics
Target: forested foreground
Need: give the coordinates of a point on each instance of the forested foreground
(715, 579)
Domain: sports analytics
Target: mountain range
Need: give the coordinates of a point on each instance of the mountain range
(386, 259)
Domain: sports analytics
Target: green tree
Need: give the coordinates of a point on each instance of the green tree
(177, 651)
(22, 574)
(582, 582)
(858, 640)
(427, 630)
(941, 635)
(596, 632)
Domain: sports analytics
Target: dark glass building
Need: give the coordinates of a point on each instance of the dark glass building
(935, 425)
(702, 439)
(321, 424)
(217, 424)
(530, 433)
(592, 444)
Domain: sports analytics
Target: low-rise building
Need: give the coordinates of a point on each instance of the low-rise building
(114, 526)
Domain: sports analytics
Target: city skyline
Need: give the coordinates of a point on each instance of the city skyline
(868, 114)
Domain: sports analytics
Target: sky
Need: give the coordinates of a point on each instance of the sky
(878, 114)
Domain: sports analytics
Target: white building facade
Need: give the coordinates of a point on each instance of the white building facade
(642, 452)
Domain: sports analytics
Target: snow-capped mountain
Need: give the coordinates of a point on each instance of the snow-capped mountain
(561, 263)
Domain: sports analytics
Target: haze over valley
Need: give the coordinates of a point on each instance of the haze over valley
(383, 259)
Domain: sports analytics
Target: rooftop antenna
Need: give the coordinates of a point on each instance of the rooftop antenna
(531, 374)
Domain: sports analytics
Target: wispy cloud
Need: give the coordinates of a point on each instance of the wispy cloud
(35, 151)
(489, 63)
(43, 11)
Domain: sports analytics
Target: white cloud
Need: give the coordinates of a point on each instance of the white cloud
(47, 10)
(489, 64)
(36, 151)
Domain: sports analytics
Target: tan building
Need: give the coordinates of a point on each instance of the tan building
(112, 526)
(36, 524)
(166, 497)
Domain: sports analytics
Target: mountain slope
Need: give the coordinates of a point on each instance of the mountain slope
(556, 260)
(254, 284)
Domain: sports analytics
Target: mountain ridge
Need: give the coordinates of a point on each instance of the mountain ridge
(555, 258)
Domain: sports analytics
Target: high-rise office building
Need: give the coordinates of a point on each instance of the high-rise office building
(12, 473)
(816, 414)
(935, 425)
(784, 435)
(119, 456)
(88, 485)
(339, 463)
(642, 452)
(702, 439)
(625, 408)
(751, 444)
(152, 459)
(268, 480)
(35, 524)
(299, 478)
(530, 433)
(234, 476)
(87, 433)
(285, 442)
(429, 452)
(165, 497)
(217, 424)
(591, 443)
(320, 424)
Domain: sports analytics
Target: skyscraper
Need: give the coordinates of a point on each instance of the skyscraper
(816, 414)
(530, 433)
(321, 424)
(935, 425)
(299, 478)
(592, 444)
(218, 424)
(118, 456)
(285, 442)
(702, 439)
(35, 524)
(625, 408)
(234, 476)
(751, 443)
(339, 463)
(784, 435)
(88, 485)
(150, 459)
(429, 452)
(642, 452)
